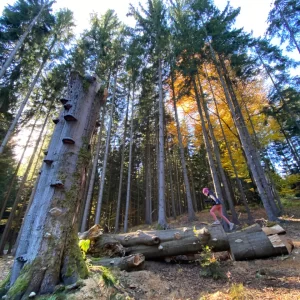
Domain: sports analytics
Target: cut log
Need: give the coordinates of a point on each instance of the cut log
(276, 229)
(281, 245)
(128, 263)
(161, 243)
(288, 243)
(248, 243)
(94, 232)
(253, 244)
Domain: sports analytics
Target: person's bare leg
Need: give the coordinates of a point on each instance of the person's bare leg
(220, 213)
(212, 212)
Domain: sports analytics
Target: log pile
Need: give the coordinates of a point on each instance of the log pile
(120, 250)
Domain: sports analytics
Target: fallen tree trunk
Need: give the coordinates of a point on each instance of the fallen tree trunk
(248, 243)
(133, 262)
(161, 243)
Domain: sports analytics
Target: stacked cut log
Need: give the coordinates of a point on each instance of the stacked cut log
(252, 242)
(255, 242)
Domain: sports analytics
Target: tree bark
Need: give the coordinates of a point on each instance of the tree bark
(48, 251)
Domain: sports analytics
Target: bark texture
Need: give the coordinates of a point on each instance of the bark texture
(48, 252)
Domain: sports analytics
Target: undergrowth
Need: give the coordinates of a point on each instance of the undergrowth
(210, 265)
(237, 292)
(107, 277)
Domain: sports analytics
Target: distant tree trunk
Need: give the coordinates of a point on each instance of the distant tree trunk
(148, 179)
(288, 27)
(191, 212)
(172, 189)
(240, 187)
(21, 41)
(21, 187)
(268, 175)
(252, 158)
(217, 155)
(178, 187)
(129, 167)
(161, 157)
(93, 174)
(193, 191)
(48, 248)
(102, 181)
(213, 170)
(21, 108)
(14, 177)
(284, 104)
(122, 166)
(250, 151)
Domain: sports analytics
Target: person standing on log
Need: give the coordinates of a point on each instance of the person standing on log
(217, 208)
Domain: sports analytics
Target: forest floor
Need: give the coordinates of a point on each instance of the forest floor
(275, 278)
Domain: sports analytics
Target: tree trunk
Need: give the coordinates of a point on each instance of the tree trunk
(216, 151)
(148, 179)
(284, 104)
(212, 166)
(102, 181)
(250, 151)
(240, 187)
(48, 252)
(129, 167)
(93, 172)
(178, 187)
(21, 40)
(122, 166)
(161, 157)
(169, 162)
(191, 212)
(251, 155)
(288, 28)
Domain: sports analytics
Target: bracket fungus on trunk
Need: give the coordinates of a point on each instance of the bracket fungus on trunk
(68, 140)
